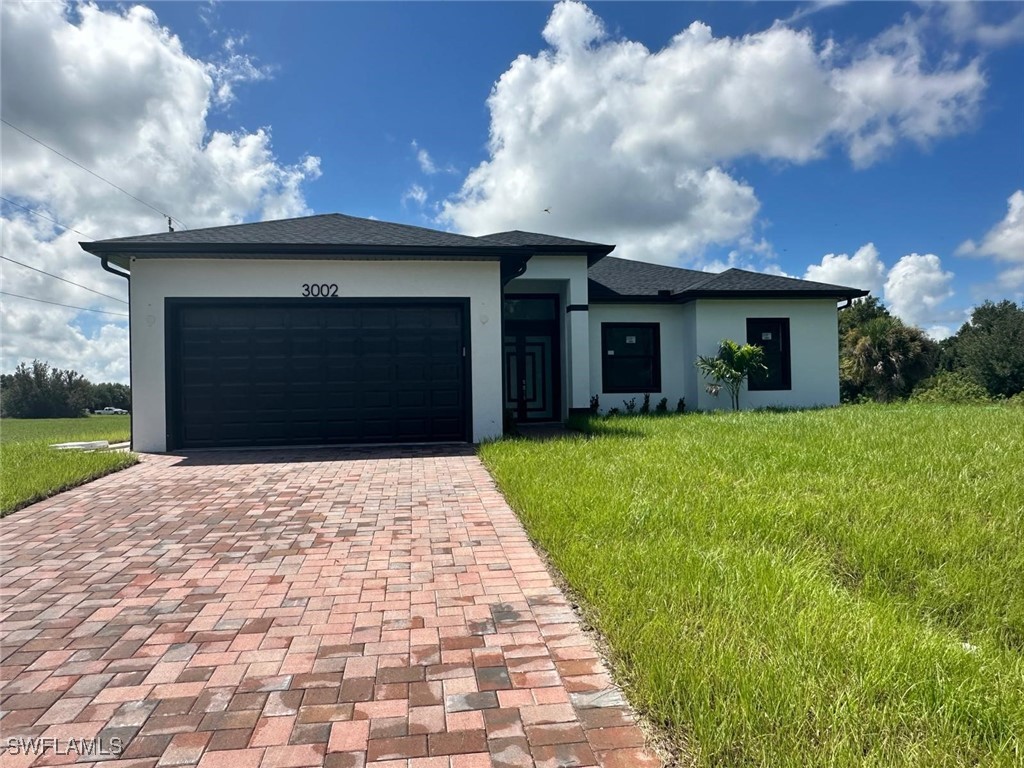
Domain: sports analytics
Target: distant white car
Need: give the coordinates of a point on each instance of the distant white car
(109, 411)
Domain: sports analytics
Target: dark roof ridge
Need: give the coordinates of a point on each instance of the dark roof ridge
(525, 237)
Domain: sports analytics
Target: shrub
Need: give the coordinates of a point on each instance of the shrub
(662, 406)
(952, 387)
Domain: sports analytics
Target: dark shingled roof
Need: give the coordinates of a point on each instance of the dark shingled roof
(334, 234)
(325, 229)
(742, 280)
(613, 279)
(518, 237)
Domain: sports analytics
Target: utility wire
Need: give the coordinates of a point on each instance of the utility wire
(58, 277)
(42, 216)
(58, 304)
(88, 170)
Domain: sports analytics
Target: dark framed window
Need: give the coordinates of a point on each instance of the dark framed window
(772, 335)
(631, 357)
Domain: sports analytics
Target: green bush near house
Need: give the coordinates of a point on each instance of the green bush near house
(819, 588)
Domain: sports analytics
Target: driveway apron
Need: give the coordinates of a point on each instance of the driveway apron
(295, 608)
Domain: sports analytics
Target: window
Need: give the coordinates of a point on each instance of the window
(630, 357)
(772, 335)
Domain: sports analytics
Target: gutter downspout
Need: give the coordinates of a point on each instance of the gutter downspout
(131, 379)
(106, 265)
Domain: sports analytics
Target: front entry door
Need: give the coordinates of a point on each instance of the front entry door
(531, 358)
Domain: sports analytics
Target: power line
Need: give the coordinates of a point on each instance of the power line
(58, 277)
(58, 304)
(42, 216)
(88, 170)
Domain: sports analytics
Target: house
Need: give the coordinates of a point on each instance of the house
(333, 329)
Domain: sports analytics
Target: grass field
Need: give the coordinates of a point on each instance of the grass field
(32, 470)
(834, 587)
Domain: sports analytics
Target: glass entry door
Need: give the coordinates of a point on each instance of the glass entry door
(532, 373)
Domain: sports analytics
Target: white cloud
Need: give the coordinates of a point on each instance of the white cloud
(915, 289)
(965, 23)
(424, 159)
(232, 69)
(863, 270)
(112, 88)
(416, 193)
(1004, 242)
(427, 163)
(633, 146)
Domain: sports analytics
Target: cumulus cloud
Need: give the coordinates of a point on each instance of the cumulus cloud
(915, 289)
(863, 270)
(116, 91)
(1004, 242)
(634, 146)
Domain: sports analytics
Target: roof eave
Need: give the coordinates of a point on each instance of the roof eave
(296, 250)
(837, 294)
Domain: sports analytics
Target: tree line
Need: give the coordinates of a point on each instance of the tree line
(881, 358)
(39, 391)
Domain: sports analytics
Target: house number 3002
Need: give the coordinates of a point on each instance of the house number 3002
(319, 289)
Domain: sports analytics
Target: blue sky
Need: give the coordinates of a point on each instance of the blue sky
(760, 135)
(357, 83)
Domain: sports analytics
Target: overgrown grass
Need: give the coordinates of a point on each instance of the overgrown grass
(835, 587)
(33, 471)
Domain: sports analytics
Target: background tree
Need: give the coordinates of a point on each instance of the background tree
(112, 394)
(858, 313)
(731, 367)
(884, 359)
(990, 348)
(41, 392)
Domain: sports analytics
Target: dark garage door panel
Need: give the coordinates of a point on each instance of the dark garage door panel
(320, 373)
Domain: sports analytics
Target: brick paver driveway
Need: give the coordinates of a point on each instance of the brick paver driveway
(295, 609)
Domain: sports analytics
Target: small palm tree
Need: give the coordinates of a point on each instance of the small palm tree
(733, 364)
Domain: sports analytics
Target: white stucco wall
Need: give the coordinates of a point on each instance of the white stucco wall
(673, 350)
(153, 280)
(813, 330)
(698, 327)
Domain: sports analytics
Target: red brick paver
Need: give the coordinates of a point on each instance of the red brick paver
(292, 609)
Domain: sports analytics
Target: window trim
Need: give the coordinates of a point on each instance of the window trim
(655, 358)
(786, 355)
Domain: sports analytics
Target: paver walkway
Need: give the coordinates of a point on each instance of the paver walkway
(289, 609)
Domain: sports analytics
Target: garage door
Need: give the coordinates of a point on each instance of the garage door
(273, 373)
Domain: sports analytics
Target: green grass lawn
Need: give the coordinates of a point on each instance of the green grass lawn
(833, 587)
(32, 470)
